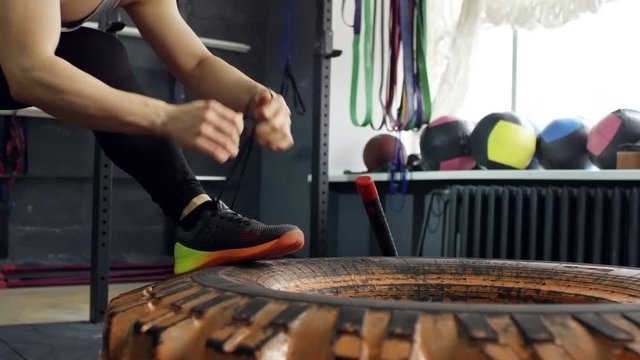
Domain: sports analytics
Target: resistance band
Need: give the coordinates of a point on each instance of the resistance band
(394, 53)
(289, 81)
(425, 104)
(373, 53)
(416, 97)
(406, 31)
(366, 32)
(410, 90)
(344, 20)
(415, 106)
(398, 176)
(407, 27)
(383, 75)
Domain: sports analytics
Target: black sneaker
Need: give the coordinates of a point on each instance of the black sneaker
(212, 234)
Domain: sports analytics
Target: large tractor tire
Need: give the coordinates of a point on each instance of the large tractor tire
(382, 308)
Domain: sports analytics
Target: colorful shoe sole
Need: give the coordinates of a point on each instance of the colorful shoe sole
(188, 260)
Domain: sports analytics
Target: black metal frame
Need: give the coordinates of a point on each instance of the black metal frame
(100, 234)
(101, 216)
(320, 151)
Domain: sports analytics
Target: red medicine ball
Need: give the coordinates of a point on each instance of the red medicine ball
(444, 144)
(380, 152)
(618, 128)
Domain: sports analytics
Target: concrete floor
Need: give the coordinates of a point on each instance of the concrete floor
(62, 341)
(51, 323)
(41, 305)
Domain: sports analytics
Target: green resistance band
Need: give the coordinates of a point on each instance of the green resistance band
(419, 30)
(423, 74)
(367, 35)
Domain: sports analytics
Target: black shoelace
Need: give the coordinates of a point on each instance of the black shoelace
(233, 217)
(243, 157)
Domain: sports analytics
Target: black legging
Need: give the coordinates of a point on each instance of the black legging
(158, 165)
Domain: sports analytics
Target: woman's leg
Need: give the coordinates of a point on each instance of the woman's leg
(210, 234)
(158, 165)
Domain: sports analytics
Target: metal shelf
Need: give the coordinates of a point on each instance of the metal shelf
(569, 175)
(28, 112)
(208, 42)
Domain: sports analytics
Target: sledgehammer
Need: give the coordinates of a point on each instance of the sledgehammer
(371, 201)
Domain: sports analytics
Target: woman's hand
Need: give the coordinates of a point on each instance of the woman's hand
(273, 127)
(206, 126)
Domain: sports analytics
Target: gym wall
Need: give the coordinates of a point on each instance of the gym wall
(284, 189)
(348, 141)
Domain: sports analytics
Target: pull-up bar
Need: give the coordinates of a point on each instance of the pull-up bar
(209, 43)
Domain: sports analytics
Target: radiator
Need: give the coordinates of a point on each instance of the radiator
(599, 225)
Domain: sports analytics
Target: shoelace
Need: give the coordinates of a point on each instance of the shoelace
(234, 217)
(243, 158)
(288, 81)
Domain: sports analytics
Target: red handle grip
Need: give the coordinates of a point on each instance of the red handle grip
(371, 201)
(366, 188)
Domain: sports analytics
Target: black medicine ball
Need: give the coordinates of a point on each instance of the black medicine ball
(618, 128)
(503, 141)
(444, 144)
(563, 145)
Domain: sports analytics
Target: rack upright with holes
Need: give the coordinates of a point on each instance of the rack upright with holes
(320, 148)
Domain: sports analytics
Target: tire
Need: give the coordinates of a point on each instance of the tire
(382, 308)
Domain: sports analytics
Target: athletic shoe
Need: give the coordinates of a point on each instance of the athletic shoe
(213, 235)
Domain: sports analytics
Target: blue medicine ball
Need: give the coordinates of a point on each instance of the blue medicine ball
(563, 144)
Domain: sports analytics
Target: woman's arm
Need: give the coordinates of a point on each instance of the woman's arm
(208, 76)
(29, 35)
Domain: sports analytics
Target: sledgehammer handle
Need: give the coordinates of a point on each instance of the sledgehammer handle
(371, 201)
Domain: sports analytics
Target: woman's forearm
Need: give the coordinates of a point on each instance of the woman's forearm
(214, 78)
(60, 89)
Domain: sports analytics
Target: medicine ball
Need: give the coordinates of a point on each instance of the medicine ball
(563, 145)
(444, 144)
(620, 127)
(503, 141)
(381, 151)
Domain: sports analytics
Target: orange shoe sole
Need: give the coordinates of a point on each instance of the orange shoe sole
(285, 245)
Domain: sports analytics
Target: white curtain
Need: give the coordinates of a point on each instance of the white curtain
(453, 31)
(532, 14)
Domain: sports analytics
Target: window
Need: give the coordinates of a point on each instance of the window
(588, 68)
(490, 80)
